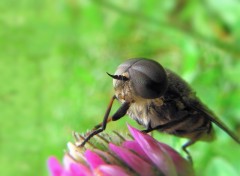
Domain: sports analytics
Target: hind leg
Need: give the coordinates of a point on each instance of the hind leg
(189, 143)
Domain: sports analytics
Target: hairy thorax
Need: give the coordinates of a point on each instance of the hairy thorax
(143, 111)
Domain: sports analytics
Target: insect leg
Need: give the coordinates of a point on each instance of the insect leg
(101, 127)
(103, 124)
(166, 125)
(121, 111)
(190, 142)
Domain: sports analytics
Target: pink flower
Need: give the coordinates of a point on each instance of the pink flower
(142, 156)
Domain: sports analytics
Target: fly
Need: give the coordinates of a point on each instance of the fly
(159, 99)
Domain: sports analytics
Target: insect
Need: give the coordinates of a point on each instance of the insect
(159, 99)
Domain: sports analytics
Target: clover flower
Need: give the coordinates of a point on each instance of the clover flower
(142, 155)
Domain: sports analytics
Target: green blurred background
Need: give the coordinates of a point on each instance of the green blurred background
(54, 56)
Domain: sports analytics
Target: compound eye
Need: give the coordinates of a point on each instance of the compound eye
(149, 79)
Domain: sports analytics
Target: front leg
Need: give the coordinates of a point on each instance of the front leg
(121, 111)
(101, 127)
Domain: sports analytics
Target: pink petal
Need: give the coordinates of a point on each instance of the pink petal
(182, 165)
(67, 161)
(54, 167)
(110, 170)
(74, 168)
(134, 146)
(93, 159)
(151, 148)
(66, 173)
(135, 162)
(106, 156)
(79, 170)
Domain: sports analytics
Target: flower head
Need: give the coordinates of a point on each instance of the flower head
(142, 155)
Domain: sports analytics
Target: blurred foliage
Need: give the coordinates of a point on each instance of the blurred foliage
(55, 54)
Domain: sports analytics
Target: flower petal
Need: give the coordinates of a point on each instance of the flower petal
(67, 161)
(93, 159)
(73, 168)
(135, 162)
(183, 167)
(54, 166)
(151, 148)
(106, 156)
(79, 170)
(134, 146)
(110, 170)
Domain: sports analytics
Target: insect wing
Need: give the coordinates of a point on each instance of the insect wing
(209, 115)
